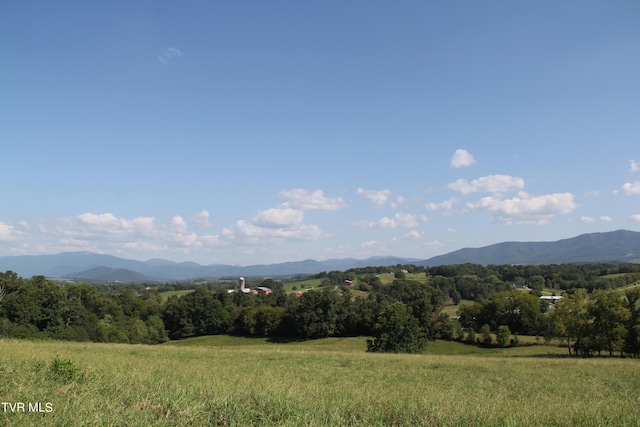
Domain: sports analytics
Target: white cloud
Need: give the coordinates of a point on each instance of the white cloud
(377, 197)
(414, 235)
(489, 184)
(278, 218)
(201, 219)
(106, 233)
(8, 233)
(587, 219)
(169, 53)
(374, 244)
(527, 209)
(400, 220)
(635, 166)
(446, 205)
(462, 158)
(107, 224)
(179, 224)
(629, 189)
(256, 234)
(434, 245)
(634, 218)
(299, 198)
(605, 218)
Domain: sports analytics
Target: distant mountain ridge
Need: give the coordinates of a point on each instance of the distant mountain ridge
(614, 246)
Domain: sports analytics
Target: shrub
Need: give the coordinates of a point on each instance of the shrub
(503, 334)
(485, 335)
(63, 370)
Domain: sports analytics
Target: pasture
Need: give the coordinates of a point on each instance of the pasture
(233, 381)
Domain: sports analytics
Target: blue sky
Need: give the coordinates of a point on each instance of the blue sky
(261, 132)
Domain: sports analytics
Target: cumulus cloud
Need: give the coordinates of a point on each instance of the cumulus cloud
(434, 244)
(445, 205)
(105, 232)
(413, 235)
(488, 184)
(635, 166)
(527, 209)
(88, 224)
(374, 245)
(179, 224)
(634, 218)
(462, 158)
(8, 233)
(629, 189)
(168, 54)
(201, 219)
(278, 218)
(301, 199)
(400, 220)
(253, 233)
(377, 197)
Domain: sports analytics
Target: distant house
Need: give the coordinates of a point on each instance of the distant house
(262, 290)
(551, 299)
(347, 283)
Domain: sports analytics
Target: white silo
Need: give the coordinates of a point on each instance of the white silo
(242, 289)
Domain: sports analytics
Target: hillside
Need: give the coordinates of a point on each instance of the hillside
(615, 246)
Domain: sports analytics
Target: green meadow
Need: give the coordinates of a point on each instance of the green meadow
(235, 381)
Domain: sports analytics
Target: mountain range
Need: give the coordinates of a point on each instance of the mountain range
(614, 246)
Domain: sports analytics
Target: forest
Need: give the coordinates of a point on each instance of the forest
(599, 313)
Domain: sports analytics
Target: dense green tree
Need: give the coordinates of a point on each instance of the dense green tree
(503, 335)
(263, 320)
(632, 338)
(317, 314)
(397, 331)
(425, 301)
(573, 320)
(609, 319)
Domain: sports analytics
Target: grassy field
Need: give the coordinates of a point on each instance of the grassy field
(165, 295)
(388, 278)
(233, 381)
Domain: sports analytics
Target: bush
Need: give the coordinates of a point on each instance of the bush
(63, 370)
(485, 335)
(503, 334)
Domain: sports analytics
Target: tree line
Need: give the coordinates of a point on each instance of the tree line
(592, 318)
(40, 308)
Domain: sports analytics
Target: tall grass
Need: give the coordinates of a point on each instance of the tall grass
(309, 384)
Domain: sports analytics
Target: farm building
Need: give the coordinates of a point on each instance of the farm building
(256, 291)
(550, 299)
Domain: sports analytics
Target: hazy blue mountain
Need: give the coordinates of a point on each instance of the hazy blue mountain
(615, 246)
(85, 265)
(106, 274)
